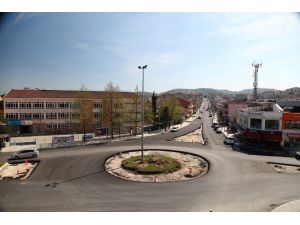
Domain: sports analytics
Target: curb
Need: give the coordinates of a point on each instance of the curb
(292, 206)
(29, 172)
(167, 150)
(4, 166)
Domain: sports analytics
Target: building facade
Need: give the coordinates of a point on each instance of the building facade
(54, 111)
(290, 123)
(260, 123)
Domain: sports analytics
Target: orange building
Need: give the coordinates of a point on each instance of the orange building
(290, 124)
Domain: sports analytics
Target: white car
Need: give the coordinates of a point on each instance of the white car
(31, 152)
(174, 129)
(219, 130)
(229, 140)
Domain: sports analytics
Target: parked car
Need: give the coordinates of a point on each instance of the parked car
(297, 155)
(216, 126)
(174, 129)
(219, 130)
(26, 153)
(229, 140)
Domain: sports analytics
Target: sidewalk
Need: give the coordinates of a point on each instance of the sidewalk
(292, 206)
(45, 141)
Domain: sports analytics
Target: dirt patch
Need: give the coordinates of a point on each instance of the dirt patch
(17, 171)
(193, 137)
(285, 168)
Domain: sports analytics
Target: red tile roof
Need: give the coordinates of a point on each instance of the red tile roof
(38, 93)
(184, 103)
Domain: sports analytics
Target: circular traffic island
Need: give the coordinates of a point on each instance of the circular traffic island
(157, 166)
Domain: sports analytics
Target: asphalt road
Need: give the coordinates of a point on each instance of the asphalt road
(73, 179)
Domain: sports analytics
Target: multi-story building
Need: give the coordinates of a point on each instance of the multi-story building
(290, 123)
(228, 110)
(260, 123)
(52, 111)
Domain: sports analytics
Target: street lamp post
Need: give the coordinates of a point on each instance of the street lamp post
(142, 138)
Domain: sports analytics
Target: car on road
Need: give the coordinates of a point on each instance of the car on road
(26, 153)
(297, 155)
(219, 130)
(174, 129)
(216, 126)
(229, 140)
(199, 117)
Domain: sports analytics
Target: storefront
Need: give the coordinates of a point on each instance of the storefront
(291, 130)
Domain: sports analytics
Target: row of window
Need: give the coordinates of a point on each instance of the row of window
(57, 126)
(269, 124)
(61, 126)
(47, 105)
(292, 124)
(30, 116)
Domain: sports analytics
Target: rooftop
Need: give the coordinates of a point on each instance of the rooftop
(39, 93)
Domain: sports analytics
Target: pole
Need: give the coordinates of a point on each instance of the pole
(84, 130)
(142, 139)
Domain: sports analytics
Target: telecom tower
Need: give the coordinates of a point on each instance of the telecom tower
(256, 66)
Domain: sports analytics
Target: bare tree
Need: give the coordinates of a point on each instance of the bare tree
(84, 110)
(112, 108)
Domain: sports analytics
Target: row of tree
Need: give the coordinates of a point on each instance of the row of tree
(119, 112)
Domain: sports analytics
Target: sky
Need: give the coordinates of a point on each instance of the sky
(182, 50)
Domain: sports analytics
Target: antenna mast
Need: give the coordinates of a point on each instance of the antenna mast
(256, 66)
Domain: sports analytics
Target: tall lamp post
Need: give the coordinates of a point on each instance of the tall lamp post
(142, 138)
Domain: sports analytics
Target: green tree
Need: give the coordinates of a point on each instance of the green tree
(171, 111)
(154, 106)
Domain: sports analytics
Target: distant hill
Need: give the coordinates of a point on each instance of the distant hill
(205, 91)
(263, 92)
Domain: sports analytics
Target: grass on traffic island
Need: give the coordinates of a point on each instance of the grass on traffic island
(152, 164)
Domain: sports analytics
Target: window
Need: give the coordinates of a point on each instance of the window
(25, 105)
(63, 105)
(62, 126)
(51, 126)
(51, 116)
(97, 125)
(38, 116)
(38, 105)
(11, 115)
(272, 124)
(51, 105)
(97, 105)
(25, 116)
(11, 105)
(255, 123)
(96, 115)
(74, 105)
(292, 124)
(63, 115)
(75, 115)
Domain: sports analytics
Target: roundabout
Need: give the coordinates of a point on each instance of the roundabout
(158, 166)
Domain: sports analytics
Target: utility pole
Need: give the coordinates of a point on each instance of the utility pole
(255, 82)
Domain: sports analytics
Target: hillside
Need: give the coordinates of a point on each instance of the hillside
(263, 92)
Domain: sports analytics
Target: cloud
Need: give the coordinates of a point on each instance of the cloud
(21, 17)
(81, 45)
